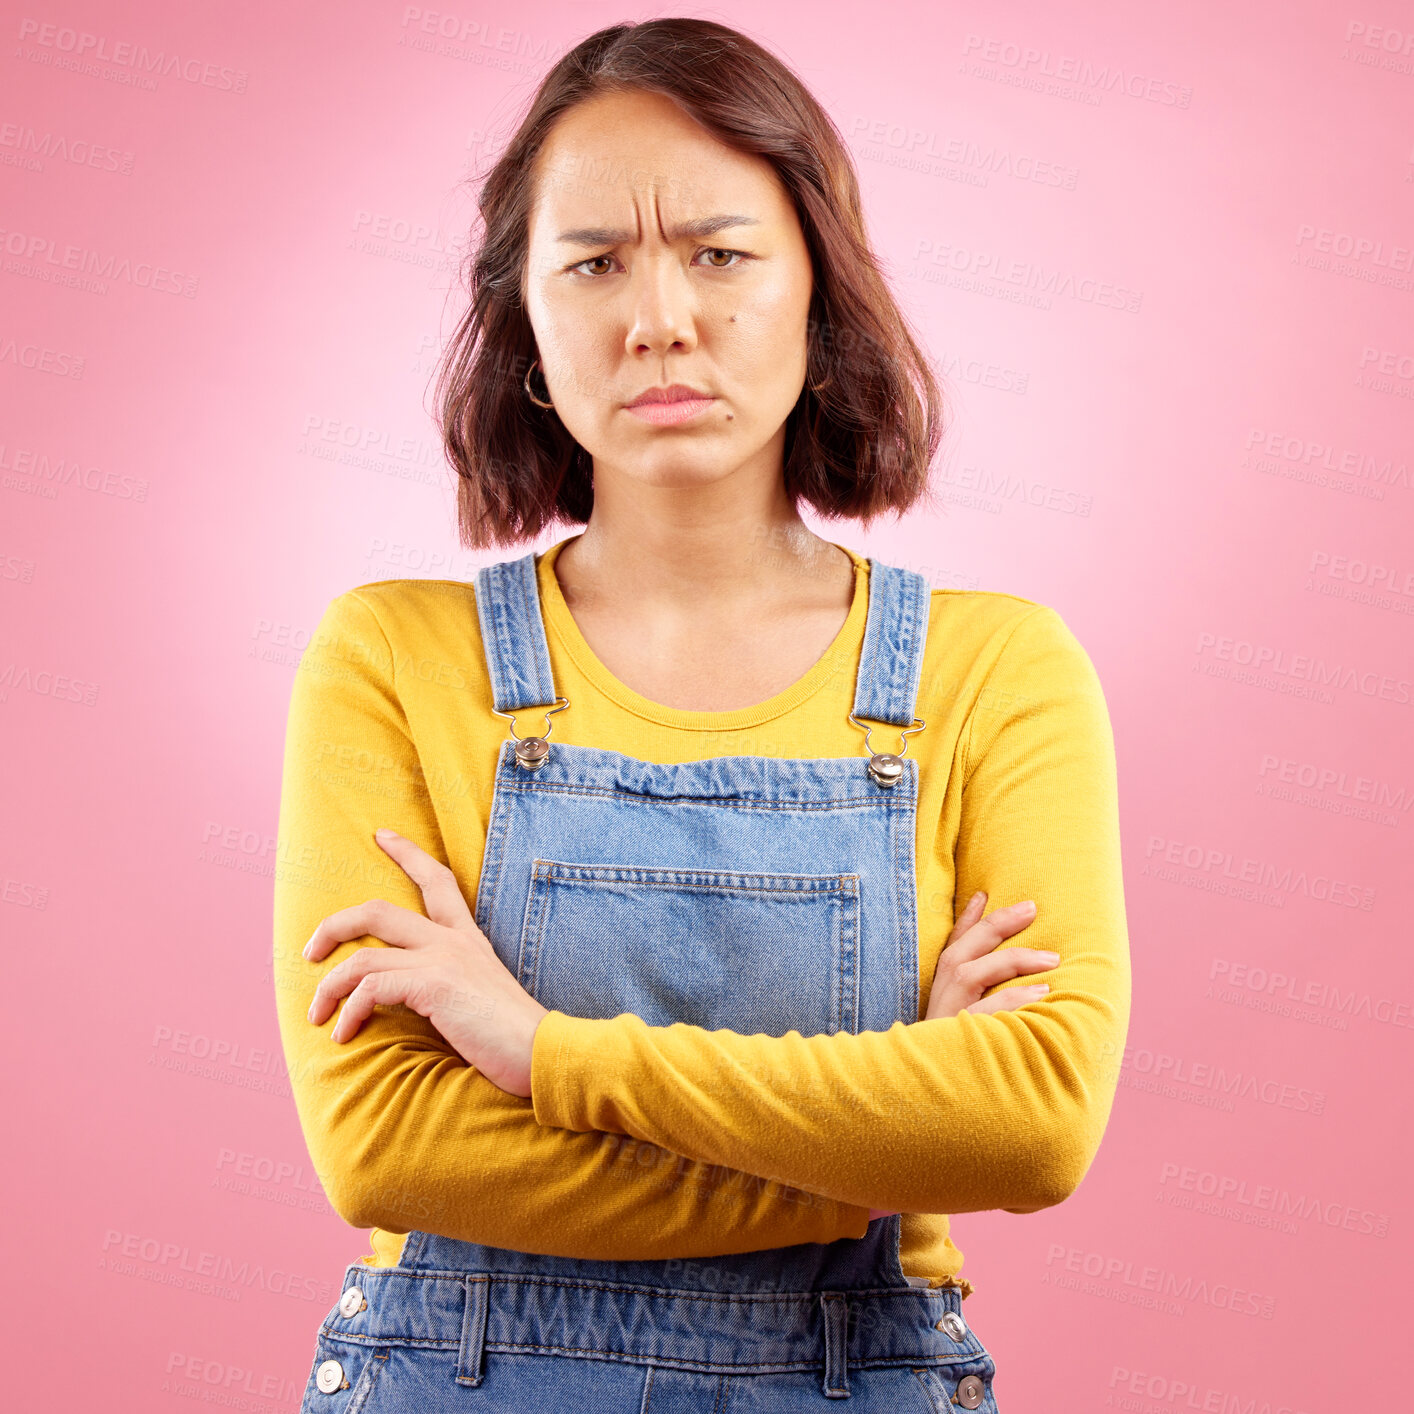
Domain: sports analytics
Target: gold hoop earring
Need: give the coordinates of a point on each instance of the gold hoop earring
(531, 395)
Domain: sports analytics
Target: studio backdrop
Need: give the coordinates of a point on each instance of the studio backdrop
(1163, 262)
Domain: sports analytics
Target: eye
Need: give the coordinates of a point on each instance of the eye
(740, 254)
(593, 259)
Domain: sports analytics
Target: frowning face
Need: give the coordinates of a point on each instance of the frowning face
(660, 259)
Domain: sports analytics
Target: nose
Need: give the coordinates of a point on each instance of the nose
(663, 312)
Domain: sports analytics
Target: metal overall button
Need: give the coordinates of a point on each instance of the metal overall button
(352, 1302)
(329, 1377)
(970, 1392)
(886, 767)
(953, 1325)
(532, 751)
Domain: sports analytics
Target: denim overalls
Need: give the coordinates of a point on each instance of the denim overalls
(756, 894)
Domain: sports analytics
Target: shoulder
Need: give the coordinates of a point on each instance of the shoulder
(979, 637)
(426, 628)
(982, 621)
(412, 606)
(990, 607)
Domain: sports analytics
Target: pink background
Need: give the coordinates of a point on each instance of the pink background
(1164, 261)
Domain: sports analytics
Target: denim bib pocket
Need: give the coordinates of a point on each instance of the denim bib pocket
(726, 946)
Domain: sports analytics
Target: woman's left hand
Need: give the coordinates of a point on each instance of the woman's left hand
(442, 966)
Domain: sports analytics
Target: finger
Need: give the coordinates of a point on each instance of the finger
(377, 918)
(385, 988)
(969, 915)
(984, 935)
(1002, 965)
(1010, 998)
(441, 894)
(344, 976)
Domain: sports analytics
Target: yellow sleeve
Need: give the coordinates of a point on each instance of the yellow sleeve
(403, 1133)
(951, 1115)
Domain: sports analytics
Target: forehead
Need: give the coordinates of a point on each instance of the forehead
(617, 157)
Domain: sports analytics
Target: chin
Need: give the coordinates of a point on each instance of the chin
(679, 478)
(677, 465)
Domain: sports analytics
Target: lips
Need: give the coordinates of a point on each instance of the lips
(676, 393)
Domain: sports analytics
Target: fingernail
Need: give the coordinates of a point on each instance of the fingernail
(974, 898)
(1026, 906)
(1051, 956)
(385, 834)
(311, 1011)
(1040, 986)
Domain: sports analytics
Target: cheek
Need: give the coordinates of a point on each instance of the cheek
(562, 342)
(580, 376)
(764, 342)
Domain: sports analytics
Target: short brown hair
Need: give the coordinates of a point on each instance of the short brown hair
(859, 446)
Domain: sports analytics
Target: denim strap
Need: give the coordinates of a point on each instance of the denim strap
(513, 632)
(895, 635)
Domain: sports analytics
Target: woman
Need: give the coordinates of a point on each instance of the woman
(684, 1054)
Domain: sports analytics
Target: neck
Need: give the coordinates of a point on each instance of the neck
(662, 549)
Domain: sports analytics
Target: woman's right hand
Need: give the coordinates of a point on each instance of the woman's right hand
(969, 964)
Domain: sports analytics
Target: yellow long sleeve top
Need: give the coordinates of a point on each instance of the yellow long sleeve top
(674, 1141)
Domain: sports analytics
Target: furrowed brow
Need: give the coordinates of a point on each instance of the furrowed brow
(698, 229)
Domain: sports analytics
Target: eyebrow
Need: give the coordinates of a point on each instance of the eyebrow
(612, 235)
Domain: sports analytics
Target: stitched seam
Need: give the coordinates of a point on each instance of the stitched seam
(840, 891)
(918, 1375)
(898, 586)
(500, 617)
(839, 942)
(539, 649)
(496, 839)
(561, 1073)
(479, 594)
(870, 648)
(653, 1293)
(335, 1335)
(532, 928)
(846, 969)
(508, 670)
(855, 914)
(911, 662)
(907, 900)
(717, 803)
(706, 880)
(903, 662)
(637, 1356)
(503, 686)
(922, 607)
(392, 657)
(371, 1372)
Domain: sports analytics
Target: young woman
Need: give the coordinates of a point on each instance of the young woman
(670, 1024)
